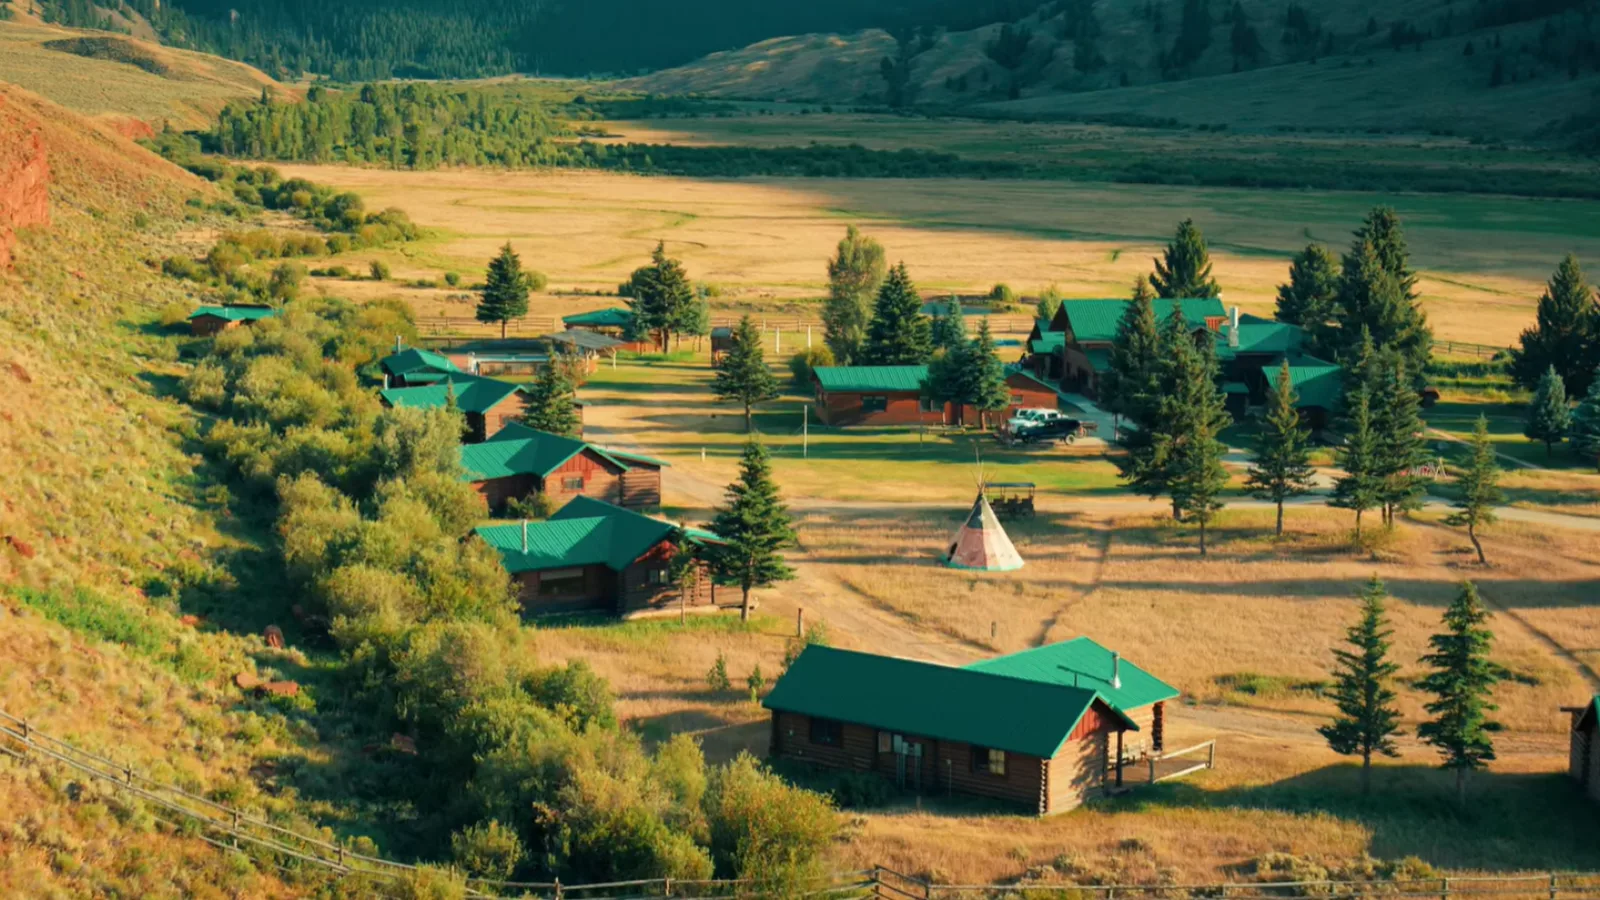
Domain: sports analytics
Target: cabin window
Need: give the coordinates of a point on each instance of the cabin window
(1016, 399)
(874, 403)
(988, 760)
(660, 577)
(826, 731)
(927, 404)
(885, 742)
(560, 582)
(572, 483)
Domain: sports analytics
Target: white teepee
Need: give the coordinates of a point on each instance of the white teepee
(981, 543)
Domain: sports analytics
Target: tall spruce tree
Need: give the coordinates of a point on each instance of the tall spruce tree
(1584, 435)
(552, 404)
(1145, 467)
(1565, 333)
(990, 393)
(1132, 378)
(755, 527)
(1194, 415)
(659, 294)
(1282, 467)
(1367, 722)
(947, 329)
(1360, 488)
(1185, 269)
(505, 290)
(1479, 487)
(1401, 446)
(899, 334)
(742, 375)
(1549, 416)
(1377, 291)
(1307, 300)
(855, 273)
(1462, 682)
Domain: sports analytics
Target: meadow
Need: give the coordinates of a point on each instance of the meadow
(763, 242)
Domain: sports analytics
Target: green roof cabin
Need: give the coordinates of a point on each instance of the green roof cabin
(209, 320)
(1060, 349)
(488, 404)
(592, 556)
(1583, 761)
(416, 367)
(614, 322)
(518, 462)
(892, 396)
(1045, 729)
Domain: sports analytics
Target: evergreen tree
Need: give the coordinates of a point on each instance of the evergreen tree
(899, 335)
(1360, 489)
(947, 328)
(1377, 291)
(854, 276)
(1549, 416)
(1145, 467)
(1401, 446)
(742, 375)
(1194, 415)
(1282, 467)
(1131, 382)
(1564, 335)
(755, 527)
(1142, 289)
(1479, 484)
(950, 379)
(694, 318)
(1462, 681)
(1367, 722)
(552, 403)
(990, 393)
(659, 294)
(1584, 434)
(505, 290)
(1307, 300)
(1185, 269)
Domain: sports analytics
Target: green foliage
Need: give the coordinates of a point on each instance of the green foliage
(1184, 271)
(742, 375)
(717, 678)
(1377, 297)
(899, 334)
(1049, 301)
(1564, 334)
(1307, 300)
(948, 330)
(855, 273)
(1479, 486)
(1002, 294)
(536, 505)
(552, 402)
(427, 883)
(575, 693)
(756, 683)
(1401, 445)
(1549, 416)
(1361, 487)
(1282, 467)
(807, 361)
(108, 620)
(763, 829)
(505, 289)
(487, 850)
(1367, 722)
(756, 528)
(659, 295)
(1131, 383)
(1462, 680)
(380, 270)
(1585, 433)
(452, 278)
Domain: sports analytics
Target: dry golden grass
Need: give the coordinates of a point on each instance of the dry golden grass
(1483, 259)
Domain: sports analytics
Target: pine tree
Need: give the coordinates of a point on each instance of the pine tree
(552, 405)
(694, 318)
(658, 294)
(1549, 416)
(1462, 680)
(505, 290)
(1194, 415)
(1367, 722)
(1377, 291)
(1142, 289)
(1282, 467)
(1185, 269)
(1144, 467)
(854, 276)
(1132, 377)
(1479, 486)
(755, 527)
(990, 393)
(1307, 300)
(742, 375)
(1360, 489)
(1401, 446)
(947, 328)
(899, 335)
(1564, 335)
(1584, 435)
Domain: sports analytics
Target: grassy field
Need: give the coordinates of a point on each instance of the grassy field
(1483, 259)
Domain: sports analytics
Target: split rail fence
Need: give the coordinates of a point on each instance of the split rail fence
(444, 327)
(231, 829)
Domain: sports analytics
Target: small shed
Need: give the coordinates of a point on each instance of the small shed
(721, 341)
(1583, 761)
(592, 556)
(518, 461)
(489, 404)
(209, 320)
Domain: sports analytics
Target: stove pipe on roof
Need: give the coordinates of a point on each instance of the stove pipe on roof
(524, 535)
(1116, 670)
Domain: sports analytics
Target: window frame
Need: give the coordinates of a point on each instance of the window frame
(826, 732)
(874, 403)
(988, 761)
(572, 482)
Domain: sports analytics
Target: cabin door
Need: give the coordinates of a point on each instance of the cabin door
(907, 762)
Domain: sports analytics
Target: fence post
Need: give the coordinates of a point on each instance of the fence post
(667, 891)
(1444, 891)
(1553, 886)
(1211, 757)
(127, 773)
(558, 889)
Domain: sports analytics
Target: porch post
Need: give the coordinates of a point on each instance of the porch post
(1119, 756)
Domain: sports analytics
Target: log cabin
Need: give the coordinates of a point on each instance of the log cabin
(1074, 346)
(488, 404)
(209, 320)
(1041, 743)
(518, 462)
(415, 367)
(1583, 760)
(892, 395)
(592, 556)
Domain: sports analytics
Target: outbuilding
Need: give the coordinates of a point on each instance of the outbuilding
(1583, 760)
(1020, 731)
(592, 556)
(893, 395)
(615, 322)
(210, 320)
(488, 404)
(518, 462)
(415, 367)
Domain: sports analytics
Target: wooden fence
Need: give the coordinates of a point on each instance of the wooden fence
(437, 327)
(228, 828)
(1462, 348)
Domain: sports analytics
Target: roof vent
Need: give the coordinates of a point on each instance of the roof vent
(1116, 670)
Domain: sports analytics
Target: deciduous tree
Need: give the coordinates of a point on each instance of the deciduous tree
(1367, 722)
(854, 276)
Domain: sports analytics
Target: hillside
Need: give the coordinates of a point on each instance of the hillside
(1347, 65)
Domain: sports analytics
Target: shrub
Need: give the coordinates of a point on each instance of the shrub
(537, 281)
(174, 314)
(765, 829)
(452, 278)
(426, 883)
(1003, 294)
(717, 679)
(802, 364)
(185, 268)
(575, 693)
(756, 683)
(537, 505)
(379, 270)
(487, 850)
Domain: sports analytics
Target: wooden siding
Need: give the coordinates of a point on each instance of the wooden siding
(641, 487)
(901, 408)
(601, 479)
(206, 326)
(597, 591)
(640, 586)
(496, 417)
(1583, 761)
(496, 492)
(1079, 771)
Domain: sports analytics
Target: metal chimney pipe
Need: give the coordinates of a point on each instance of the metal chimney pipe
(524, 535)
(1116, 670)
(1233, 328)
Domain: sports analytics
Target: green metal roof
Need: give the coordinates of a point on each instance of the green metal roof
(1318, 383)
(1018, 715)
(517, 449)
(1099, 358)
(235, 313)
(585, 532)
(1262, 337)
(1047, 342)
(1235, 387)
(615, 317)
(871, 378)
(474, 394)
(1083, 663)
(414, 360)
(1095, 321)
(1591, 713)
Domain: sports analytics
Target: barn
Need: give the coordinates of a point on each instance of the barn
(489, 405)
(414, 367)
(892, 395)
(592, 556)
(209, 320)
(1583, 761)
(518, 461)
(1042, 743)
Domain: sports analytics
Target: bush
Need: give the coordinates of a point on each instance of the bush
(536, 281)
(579, 696)
(487, 850)
(1003, 294)
(174, 314)
(426, 883)
(379, 270)
(452, 278)
(185, 268)
(765, 829)
(803, 363)
(717, 679)
(537, 505)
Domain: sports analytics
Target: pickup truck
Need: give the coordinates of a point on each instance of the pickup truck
(1028, 418)
(1056, 428)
